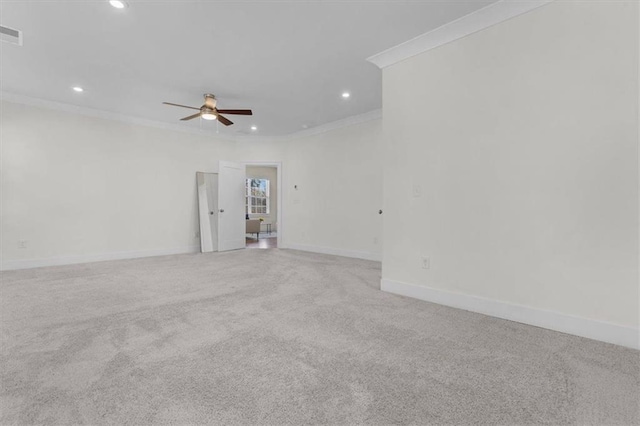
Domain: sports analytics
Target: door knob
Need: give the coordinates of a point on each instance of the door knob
(379, 211)
(221, 210)
(211, 213)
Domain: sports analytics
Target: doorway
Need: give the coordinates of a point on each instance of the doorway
(263, 205)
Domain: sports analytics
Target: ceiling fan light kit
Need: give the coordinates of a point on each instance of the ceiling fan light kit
(208, 111)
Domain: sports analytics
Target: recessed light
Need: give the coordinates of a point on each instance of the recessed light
(254, 128)
(78, 89)
(117, 4)
(346, 95)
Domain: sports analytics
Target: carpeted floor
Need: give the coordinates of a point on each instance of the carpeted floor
(283, 337)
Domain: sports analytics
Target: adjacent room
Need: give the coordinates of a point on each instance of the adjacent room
(262, 206)
(319, 212)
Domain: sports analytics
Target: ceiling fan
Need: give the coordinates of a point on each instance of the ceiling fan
(208, 111)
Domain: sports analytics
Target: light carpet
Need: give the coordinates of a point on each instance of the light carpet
(279, 337)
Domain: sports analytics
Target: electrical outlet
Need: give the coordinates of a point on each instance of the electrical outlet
(375, 240)
(417, 191)
(196, 235)
(426, 263)
(22, 244)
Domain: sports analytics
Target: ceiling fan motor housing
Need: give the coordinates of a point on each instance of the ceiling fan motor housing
(210, 101)
(208, 111)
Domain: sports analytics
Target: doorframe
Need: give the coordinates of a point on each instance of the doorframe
(278, 166)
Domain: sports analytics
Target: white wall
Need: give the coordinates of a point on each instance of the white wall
(523, 141)
(78, 188)
(510, 160)
(270, 173)
(339, 178)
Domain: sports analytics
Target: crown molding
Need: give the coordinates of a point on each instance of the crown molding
(479, 20)
(258, 138)
(96, 113)
(476, 21)
(107, 115)
(335, 125)
(318, 130)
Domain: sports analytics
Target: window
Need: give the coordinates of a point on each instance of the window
(257, 196)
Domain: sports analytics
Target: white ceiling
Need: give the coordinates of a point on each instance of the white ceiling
(289, 61)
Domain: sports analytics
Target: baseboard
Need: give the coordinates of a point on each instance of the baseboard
(591, 329)
(337, 252)
(99, 257)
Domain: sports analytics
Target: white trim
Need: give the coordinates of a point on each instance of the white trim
(106, 115)
(99, 257)
(476, 21)
(20, 36)
(97, 113)
(318, 130)
(337, 252)
(334, 125)
(591, 329)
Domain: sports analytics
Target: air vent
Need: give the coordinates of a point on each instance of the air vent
(10, 35)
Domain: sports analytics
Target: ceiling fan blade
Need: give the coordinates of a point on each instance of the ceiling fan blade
(224, 120)
(191, 117)
(178, 105)
(235, 111)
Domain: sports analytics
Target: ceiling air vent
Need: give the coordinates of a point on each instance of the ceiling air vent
(10, 35)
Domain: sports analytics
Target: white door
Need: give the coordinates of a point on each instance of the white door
(231, 206)
(208, 208)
